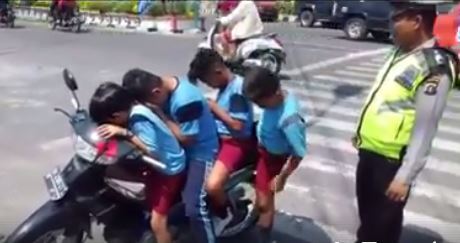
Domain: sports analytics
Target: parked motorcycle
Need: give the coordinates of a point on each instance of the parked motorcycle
(83, 192)
(7, 17)
(73, 22)
(261, 50)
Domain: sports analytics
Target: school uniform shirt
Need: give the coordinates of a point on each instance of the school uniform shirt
(159, 139)
(231, 100)
(189, 108)
(282, 130)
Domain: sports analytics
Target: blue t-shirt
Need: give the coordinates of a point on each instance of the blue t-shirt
(231, 100)
(282, 130)
(160, 141)
(189, 108)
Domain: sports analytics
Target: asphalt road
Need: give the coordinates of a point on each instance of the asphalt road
(318, 204)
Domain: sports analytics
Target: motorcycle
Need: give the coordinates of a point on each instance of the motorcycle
(263, 50)
(73, 22)
(7, 16)
(83, 192)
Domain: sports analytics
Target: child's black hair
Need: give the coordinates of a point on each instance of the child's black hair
(139, 83)
(203, 62)
(108, 99)
(260, 83)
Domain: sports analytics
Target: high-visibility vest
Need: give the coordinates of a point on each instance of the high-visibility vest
(388, 116)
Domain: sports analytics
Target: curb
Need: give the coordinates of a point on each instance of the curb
(165, 25)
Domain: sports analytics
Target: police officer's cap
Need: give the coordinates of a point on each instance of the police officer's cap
(402, 6)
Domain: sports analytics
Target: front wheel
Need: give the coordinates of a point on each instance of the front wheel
(58, 236)
(11, 24)
(52, 23)
(356, 28)
(77, 27)
(306, 18)
(50, 224)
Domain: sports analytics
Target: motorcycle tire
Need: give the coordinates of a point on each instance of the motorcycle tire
(47, 224)
(243, 192)
(11, 24)
(77, 28)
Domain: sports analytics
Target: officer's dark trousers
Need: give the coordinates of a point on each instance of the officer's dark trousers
(381, 218)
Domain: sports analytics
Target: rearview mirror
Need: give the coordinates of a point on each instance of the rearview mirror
(70, 80)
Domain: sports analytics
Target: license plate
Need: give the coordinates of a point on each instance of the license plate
(56, 185)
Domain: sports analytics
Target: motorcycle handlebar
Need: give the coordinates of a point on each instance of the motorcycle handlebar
(156, 164)
(57, 109)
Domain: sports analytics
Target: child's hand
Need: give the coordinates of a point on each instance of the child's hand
(278, 183)
(107, 131)
(354, 142)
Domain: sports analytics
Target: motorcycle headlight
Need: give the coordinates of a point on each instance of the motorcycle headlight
(92, 153)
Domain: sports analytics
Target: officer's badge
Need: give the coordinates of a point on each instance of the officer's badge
(431, 86)
(407, 78)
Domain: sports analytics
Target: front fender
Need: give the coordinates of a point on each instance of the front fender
(50, 216)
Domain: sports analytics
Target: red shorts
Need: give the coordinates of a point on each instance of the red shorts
(163, 191)
(268, 166)
(232, 152)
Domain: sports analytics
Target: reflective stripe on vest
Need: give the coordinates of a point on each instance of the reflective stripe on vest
(388, 116)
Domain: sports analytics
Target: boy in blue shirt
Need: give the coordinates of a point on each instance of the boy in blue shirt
(281, 135)
(115, 109)
(188, 116)
(234, 119)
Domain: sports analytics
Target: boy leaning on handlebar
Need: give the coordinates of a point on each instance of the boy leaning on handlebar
(119, 115)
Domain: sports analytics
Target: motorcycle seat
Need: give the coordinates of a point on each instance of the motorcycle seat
(266, 35)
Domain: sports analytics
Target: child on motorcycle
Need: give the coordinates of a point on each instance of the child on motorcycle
(242, 23)
(4, 7)
(234, 119)
(62, 9)
(190, 119)
(115, 109)
(281, 136)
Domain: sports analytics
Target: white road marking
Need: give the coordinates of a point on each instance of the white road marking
(441, 144)
(355, 74)
(330, 62)
(440, 194)
(344, 81)
(363, 69)
(449, 167)
(357, 100)
(378, 60)
(56, 144)
(370, 64)
(448, 230)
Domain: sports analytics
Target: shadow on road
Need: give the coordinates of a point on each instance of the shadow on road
(369, 39)
(16, 27)
(413, 233)
(341, 92)
(287, 229)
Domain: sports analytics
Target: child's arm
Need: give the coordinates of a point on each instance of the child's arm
(143, 137)
(294, 130)
(234, 124)
(108, 131)
(173, 126)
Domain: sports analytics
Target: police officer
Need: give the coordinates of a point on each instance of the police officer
(400, 119)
